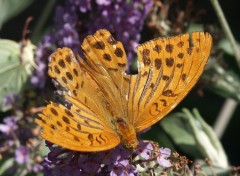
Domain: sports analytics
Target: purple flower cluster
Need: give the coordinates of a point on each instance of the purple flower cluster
(9, 125)
(124, 19)
(15, 146)
(43, 51)
(115, 162)
(10, 101)
(22, 155)
(82, 5)
(162, 158)
(78, 18)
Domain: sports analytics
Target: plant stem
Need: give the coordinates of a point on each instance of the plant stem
(226, 29)
(42, 20)
(229, 105)
(224, 117)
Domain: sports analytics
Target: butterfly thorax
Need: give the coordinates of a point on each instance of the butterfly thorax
(127, 134)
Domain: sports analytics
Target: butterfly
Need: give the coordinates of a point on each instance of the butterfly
(106, 106)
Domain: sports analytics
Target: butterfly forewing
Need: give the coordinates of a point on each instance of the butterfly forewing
(106, 55)
(65, 69)
(180, 68)
(108, 59)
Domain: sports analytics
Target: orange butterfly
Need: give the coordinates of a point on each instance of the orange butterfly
(108, 106)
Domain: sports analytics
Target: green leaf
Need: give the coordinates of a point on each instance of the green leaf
(192, 135)
(44, 149)
(10, 8)
(194, 27)
(16, 63)
(159, 135)
(134, 66)
(217, 170)
(226, 46)
(6, 165)
(224, 82)
(207, 141)
(177, 128)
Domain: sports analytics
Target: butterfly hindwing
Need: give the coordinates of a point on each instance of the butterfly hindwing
(76, 129)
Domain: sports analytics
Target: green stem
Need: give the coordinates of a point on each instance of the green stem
(225, 115)
(226, 29)
(44, 16)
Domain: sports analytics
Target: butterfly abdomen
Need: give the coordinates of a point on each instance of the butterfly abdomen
(127, 134)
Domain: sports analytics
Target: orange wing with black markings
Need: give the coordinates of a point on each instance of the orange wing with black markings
(107, 106)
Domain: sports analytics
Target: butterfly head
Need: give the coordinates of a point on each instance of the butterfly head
(131, 145)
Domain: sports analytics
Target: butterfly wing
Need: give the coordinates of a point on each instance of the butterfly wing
(85, 125)
(168, 69)
(76, 129)
(106, 58)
